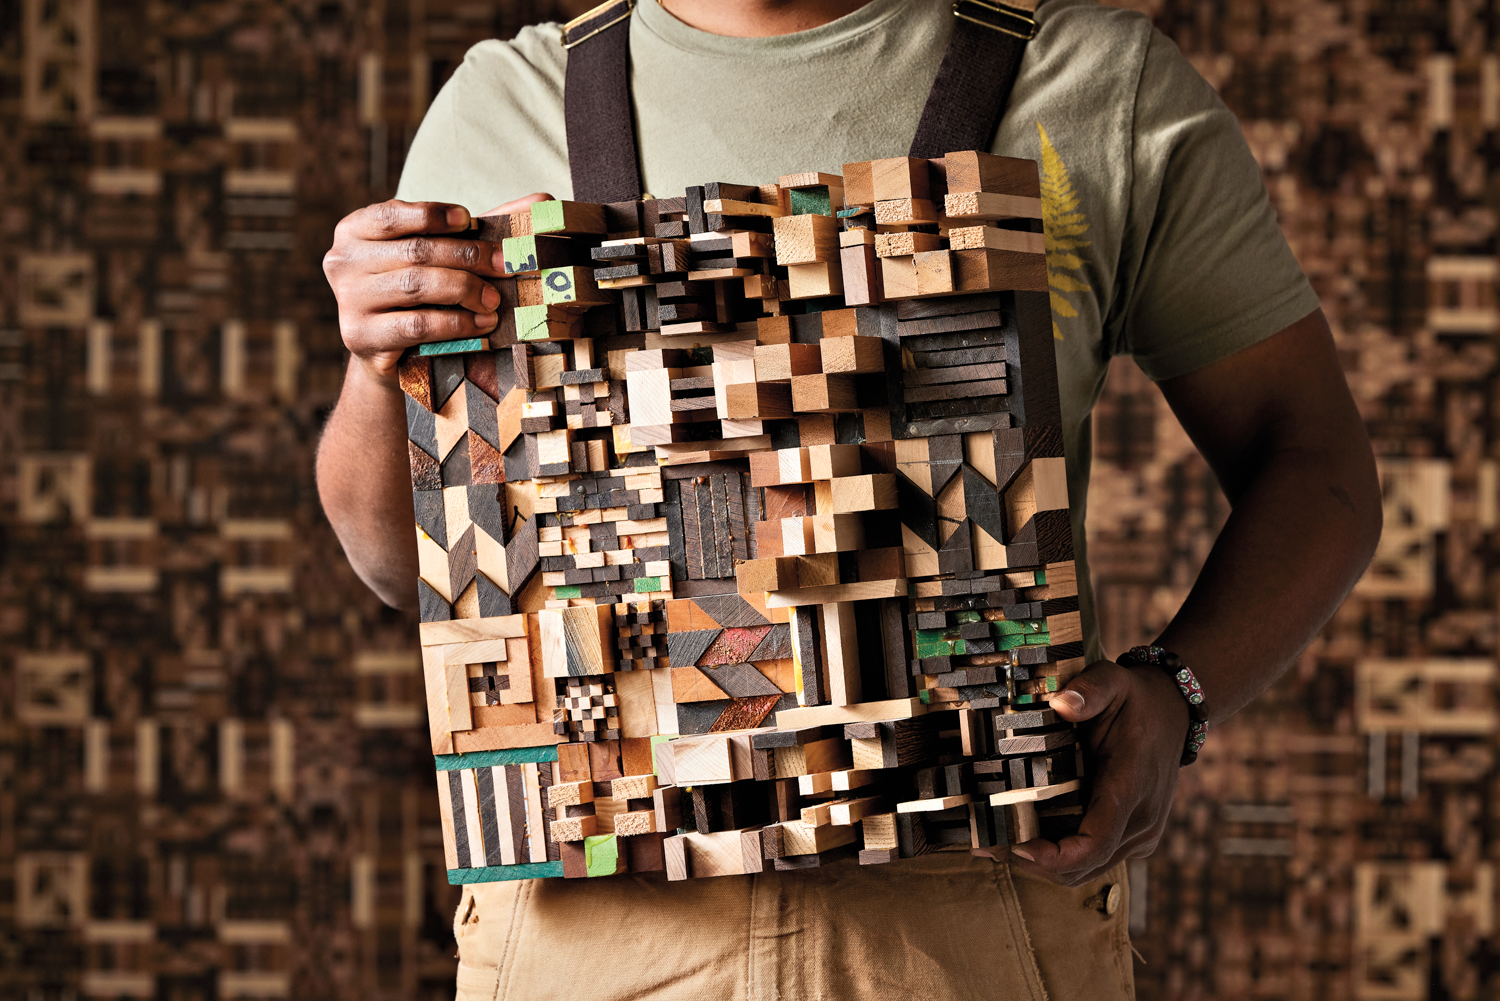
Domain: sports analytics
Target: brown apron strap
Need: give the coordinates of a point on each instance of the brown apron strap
(596, 105)
(973, 83)
(962, 112)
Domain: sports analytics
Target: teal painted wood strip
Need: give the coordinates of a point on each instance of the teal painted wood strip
(501, 873)
(454, 347)
(489, 759)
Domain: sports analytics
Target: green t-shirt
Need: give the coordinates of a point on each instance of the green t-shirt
(1161, 242)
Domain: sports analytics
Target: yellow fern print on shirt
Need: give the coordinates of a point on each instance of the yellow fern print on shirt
(1063, 226)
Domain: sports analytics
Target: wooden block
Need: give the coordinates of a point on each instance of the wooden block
(720, 853)
(861, 275)
(779, 362)
(859, 183)
(562, 794)
(472, 630)
(796, 539)
(827, 594)
(983, 206)
(633, 823)
(799, 838)
(733, 207)
(852, 354)
(993, 238)
(935, 272)
(675, 851)
(809, 716)
(857, 238)
(573, 763)
(814, 281)
(827, 461)
(806, 239)
(761, 575)
(984, 270)
(667, 803)
(1034, 794)
(573, 828)
(970, 170)
(842, 648)
(898, 277)
(868, 492)
(827, 755)
(823, 393)
(905, 212)
(567, 218)
(637, 703)
(880, 832)
(576, 641)
(906, 244)
(934, 805)
(840, 533)
(853, 811)
(699, 760)
(894, 177)
(756, 401)
(629, 787)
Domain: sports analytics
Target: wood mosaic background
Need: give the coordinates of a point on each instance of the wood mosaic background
(218, 780)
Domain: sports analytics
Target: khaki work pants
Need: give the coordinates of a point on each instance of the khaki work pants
(944, 926)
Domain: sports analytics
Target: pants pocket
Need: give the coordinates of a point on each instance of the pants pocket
(484, 926)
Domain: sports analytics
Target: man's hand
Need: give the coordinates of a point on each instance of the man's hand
(389, 266)
(391, 263)
(1137, 724)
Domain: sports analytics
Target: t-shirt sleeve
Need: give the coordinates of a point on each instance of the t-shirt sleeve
(430, 173)
(1205, 270)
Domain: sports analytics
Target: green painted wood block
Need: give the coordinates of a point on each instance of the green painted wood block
(601, 854)
(559, 286)
(567, 591)
(1041, 577)
(646, 585)
(458, 347)
(490, 759)
(811, 201)
(498, 873)
(547, 217)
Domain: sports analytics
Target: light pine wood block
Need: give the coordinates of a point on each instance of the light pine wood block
(982, 206)
(869, 492)
(816, 280)
(864, 712)
(841, 640)
(801, 838)
(896, 177)
(702, 760)
(898, 277)
(934, 272)
(574, 828)
(563, 794)
(994, 238)
(779, 362)
(852, 354)
(972, 170)
(806, 239)
(906, 244)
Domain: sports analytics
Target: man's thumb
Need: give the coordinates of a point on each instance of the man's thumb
(1091, 692)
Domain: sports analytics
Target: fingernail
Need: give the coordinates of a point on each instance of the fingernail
(458, 217)
(498, 260)
(1073, 700)
(1024, 854)
(485, 321)
(491, 297)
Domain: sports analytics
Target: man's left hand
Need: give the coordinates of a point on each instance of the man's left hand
(1135, 726)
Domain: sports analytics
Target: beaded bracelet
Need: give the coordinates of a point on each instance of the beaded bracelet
(1187, 684)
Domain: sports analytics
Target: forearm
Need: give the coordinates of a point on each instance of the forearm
(365, 485)
(1301, 533)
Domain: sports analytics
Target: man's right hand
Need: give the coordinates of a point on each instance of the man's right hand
(391, 263)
